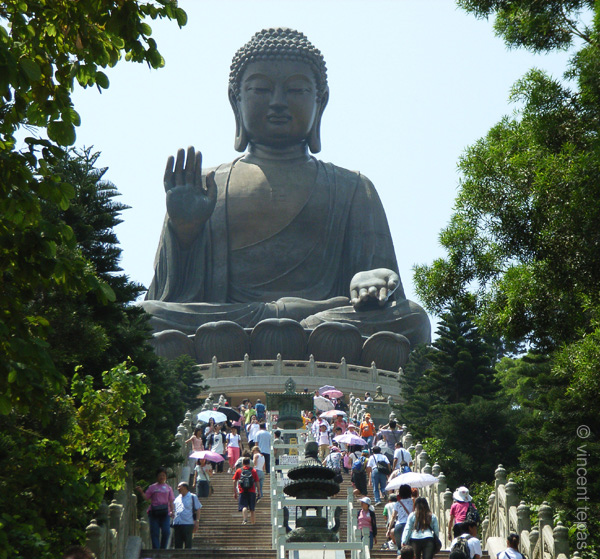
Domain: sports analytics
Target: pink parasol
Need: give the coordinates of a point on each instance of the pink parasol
(332, 413)
(207, 455)
(334, 393)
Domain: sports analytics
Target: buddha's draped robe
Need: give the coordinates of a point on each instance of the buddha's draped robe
(341, 230)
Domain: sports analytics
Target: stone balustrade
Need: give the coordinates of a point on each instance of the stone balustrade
(270, 375)
(505, 514)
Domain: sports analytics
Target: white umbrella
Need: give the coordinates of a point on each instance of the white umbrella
(350, 439)
(323, 404)
(216, 416)
(414, 479)
(326, 388)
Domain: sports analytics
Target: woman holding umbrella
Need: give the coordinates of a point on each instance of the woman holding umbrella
(202, 473)
(402, 508)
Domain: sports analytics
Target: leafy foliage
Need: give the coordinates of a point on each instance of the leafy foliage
(70, 461)
(454, 404)
(45, 47)
(539, 26)
(523, 244)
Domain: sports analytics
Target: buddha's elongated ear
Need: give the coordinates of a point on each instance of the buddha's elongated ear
(314, 137)
(241, 137)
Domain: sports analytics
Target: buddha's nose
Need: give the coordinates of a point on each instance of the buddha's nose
(278, 98)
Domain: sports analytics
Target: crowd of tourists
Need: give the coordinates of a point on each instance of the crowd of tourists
(371, 456)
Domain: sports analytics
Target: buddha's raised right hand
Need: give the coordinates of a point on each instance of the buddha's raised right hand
(191, 198)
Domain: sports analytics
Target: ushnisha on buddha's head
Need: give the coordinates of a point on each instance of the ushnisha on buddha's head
(278, 91)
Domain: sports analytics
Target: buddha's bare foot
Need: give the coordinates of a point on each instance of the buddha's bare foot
(298, 309)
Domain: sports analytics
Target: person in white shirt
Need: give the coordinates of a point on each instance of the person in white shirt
(377, 479)
(263, 441)
(401, 455)
(324, 441)
(233, 448)
(470, 535)
(185, 520)
(512, 551)
(253, 429)
(217, 443)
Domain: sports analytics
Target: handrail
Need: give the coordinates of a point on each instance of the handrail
(505, 514)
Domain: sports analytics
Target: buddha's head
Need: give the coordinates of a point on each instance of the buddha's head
(278, 90)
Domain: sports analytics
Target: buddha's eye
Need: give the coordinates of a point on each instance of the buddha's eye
(260, 90)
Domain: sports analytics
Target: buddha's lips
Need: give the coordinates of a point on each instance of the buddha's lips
(278, 119)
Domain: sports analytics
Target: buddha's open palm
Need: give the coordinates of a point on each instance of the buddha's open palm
(190, 199)
(373, 288)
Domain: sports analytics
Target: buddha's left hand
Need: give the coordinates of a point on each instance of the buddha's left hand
(373, 288)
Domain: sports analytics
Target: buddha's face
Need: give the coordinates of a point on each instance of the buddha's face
(278, 102)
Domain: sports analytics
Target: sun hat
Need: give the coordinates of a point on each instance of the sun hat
(365, 500)
(462, 495)
(182, 483)
(365, 451)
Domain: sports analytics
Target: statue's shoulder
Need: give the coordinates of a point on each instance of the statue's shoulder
(346, 177)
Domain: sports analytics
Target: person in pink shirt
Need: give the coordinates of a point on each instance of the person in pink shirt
(160, 510)
(458, 510)
(340, 422)
(367, 519)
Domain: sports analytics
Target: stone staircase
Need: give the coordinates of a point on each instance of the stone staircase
(222, 536)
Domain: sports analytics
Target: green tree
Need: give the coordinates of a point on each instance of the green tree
(453, 404)
(45, 48)
(524, 244)
(67, 463)
(524, 237)
(414, 403)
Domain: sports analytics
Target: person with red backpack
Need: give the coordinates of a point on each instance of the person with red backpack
(245, 481)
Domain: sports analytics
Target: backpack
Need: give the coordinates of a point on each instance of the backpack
(472, 514)
(383, 467)
(460, 550)
(246, 480)
(360, 465)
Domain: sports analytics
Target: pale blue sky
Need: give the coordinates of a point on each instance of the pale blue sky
(412, 82)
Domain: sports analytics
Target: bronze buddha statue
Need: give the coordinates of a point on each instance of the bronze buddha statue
(277, 233)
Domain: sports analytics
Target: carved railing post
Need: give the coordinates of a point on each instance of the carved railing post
(214, 367)
(524, 516)
(545, 515)
(188, 421)
(500, 475)
(418, 450)
(494, 529)
(427, 468)
(561, 539)
(512, 499)
(485, 528)
(247, 367)
(442, 484)
(435, 470)
(423, 458)
(408, 440)
(312, 369)
(534, 536)
(344, 368)
(374, 372)
(94, 539)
